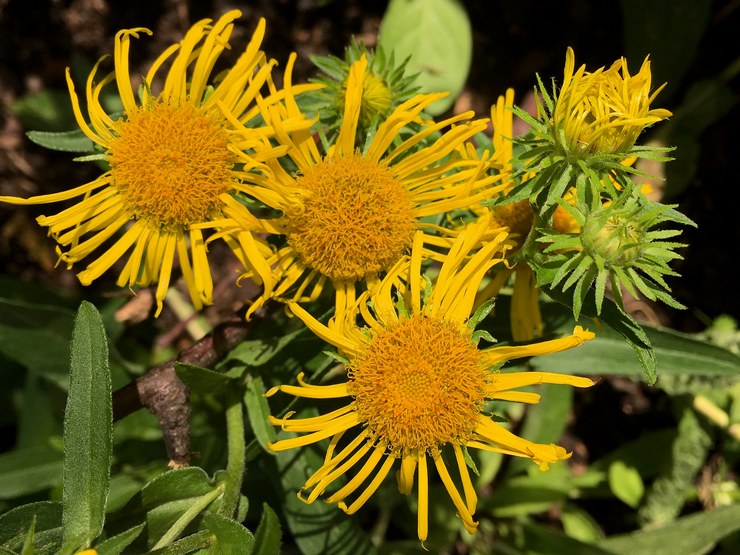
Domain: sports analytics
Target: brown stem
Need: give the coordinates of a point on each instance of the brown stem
(164, 394)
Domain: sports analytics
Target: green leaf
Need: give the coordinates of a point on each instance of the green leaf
(163, 501)
(47, 109)
(37, 336)
(625, 483)
(677, 354)
(541, 539)
(268, 534)
(258, 412)
(201, 379)
(257, 352)
(524, 495)
(29, 545)
(439, 42)
(578, 524)
(14, 526)
(88, 422)
(691, 535)
(231, 537)
(65, 141)
(118, 543)
(670, 489)
(29, 470)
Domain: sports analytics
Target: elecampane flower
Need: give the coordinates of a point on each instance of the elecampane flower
(350, 214)
(605, 111)
(418, 384)
(173, 161)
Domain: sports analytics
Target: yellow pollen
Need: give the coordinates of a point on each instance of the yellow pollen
(517, 216)
(356, 219)
(170, 164)
(419, 385)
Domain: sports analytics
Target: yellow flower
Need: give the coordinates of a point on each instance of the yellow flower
(605, 111)
(349, 215)
(418, 385)
(172, 159)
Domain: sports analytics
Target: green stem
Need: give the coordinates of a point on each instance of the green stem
(188, 516)
(236, 460)
(529, 248)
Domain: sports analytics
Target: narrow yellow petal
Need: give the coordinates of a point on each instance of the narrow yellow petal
(462, 510)
(496, 355)
(165, 271)
(471, 498)
(345, 143)
(360, 477)
(405, 475)
(371, 487)
(339, 425)
(422, 517)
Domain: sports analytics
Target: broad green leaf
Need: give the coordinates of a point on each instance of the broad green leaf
(37, 336)
(14, 526)
(695, 534)
(66, 141)
(625, 483)
(437, 35)
(231, 537)
(525, 495)
(29, 470)
(88, 422)
(197, 543)
(256, 352)
(37, 418)
(118, 543)
(162, 502)
(545, 540)
(258, 411)
(47, 109)
(676, 353)
(201, 379)
(267, 538)
(578, 524)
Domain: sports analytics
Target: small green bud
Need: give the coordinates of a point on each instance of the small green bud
(616, 237)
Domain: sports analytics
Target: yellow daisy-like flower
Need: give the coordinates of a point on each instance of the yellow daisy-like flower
(418, 385)
(174, 160)
(351, 214)
(605, 111)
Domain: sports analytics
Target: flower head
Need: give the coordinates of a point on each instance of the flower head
(418, 385)
(605, 111)
(350, 213)
(384, 87)
(172, 156)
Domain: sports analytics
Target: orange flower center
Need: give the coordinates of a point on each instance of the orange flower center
(419, 385)
(171, 164)
(356, 219)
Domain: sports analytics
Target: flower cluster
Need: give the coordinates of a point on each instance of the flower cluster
(345, 185)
